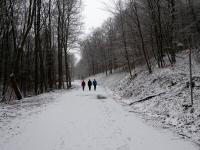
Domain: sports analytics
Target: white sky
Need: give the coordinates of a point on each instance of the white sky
(94, 14)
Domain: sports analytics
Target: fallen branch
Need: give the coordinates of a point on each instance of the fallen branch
(145, 99)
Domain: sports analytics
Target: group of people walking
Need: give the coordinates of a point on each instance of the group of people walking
(90, 83)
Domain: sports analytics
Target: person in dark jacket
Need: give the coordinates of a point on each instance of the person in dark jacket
(89, 84)
(95, 84)
(83, 85)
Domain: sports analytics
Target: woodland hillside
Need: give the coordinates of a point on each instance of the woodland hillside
(139, 32)
(36, 39)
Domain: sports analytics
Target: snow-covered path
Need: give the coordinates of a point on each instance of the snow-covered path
(78, 120)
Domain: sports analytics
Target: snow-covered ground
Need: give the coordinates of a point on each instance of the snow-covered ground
(77, 120)
(170, 93)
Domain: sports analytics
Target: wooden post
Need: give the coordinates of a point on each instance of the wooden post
(15, 87)
(191, 81)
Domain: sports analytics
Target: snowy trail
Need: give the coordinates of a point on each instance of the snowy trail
(80, 121)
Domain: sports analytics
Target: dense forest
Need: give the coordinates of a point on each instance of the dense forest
(141, 32)
(36, 39)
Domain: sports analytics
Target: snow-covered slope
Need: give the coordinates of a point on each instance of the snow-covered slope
(162, 96)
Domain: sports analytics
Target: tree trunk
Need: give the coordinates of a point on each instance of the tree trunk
(125, 44)
(142, 40)
(60, 68)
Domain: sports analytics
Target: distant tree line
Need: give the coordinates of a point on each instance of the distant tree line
(141, 32)
(35, 41)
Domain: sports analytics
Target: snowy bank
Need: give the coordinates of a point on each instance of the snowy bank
(161, 97)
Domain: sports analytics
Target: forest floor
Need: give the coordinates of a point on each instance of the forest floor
(161, 98)
(77, 120)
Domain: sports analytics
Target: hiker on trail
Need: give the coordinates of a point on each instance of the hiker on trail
(95, 84)
(89, 84)
(83, 85)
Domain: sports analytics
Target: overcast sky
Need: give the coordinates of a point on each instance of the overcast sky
(94, 14)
